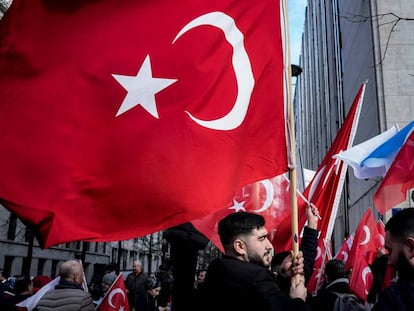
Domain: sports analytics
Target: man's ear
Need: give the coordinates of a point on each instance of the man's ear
(410, 243)
(239, 247)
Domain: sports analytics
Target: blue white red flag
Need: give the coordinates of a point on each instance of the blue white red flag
(355, 155)
(398, 180)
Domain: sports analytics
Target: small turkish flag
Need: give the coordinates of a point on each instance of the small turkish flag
(365, 242)
(116, 297)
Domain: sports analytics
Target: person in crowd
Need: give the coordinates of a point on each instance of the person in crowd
(399, 242)
(111, 267)
(135, 281)
(199, 284)
(147, 300)
(68, 294)
(3, 281)
(39, 281)
(335, 281)
(166, 280)
(242, 279)
(200, 277)
(95, 287)
(106, 283)
(186, 242)
(382, 274)
(22, 289)
(308, 245)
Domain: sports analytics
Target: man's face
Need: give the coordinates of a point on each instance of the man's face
(259, 248)
(399, 254)
(137, 268)
(201, 276)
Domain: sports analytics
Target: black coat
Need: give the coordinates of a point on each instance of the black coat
(398, 296)
(325, 298)
(232, 284)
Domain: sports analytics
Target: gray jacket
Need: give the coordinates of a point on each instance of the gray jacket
(67, 296)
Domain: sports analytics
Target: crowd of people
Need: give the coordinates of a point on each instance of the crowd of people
(248, 276)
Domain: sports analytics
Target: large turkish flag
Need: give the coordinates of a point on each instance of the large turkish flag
(122, 118)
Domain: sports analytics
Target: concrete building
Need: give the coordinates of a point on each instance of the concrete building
(344, 44)
(17, 244)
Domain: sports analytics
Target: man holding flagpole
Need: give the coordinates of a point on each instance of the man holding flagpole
(242, 279)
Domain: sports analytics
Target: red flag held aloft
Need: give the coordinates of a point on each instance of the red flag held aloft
(365, 243)
(398, 179)
(325, 189)
(116, 297)
(122, 118)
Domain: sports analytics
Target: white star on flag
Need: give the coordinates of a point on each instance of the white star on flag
(238, 206)
(142, 89)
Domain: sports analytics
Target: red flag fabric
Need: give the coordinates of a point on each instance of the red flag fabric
(366, 243)
(116, 297)
(122, 118)
(361, 276)
(269, 198)
(343, 252)
(325, 189)
(323, 255)
(398, 179)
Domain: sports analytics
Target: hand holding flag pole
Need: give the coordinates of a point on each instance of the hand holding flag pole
(291, 131)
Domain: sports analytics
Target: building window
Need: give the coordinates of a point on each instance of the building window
(11, 232)
(54, 268)
(114, 254)
(40, 266)
(124, 258)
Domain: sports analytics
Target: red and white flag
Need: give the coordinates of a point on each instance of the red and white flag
(398, 180)
(269, 198)
(116, 297)
(361, 276)
(325, 189)
(136, 116)
(366, 242)
(323, 255)
(343, 252)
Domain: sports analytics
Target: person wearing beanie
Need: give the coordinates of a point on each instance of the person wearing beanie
(106, 283)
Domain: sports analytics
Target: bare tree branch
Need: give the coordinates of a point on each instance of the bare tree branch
(356, 18)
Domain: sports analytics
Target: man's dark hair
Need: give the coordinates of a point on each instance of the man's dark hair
(236, 224)
(335, 269)
(21, 284)
(401, 224)
(112, 267)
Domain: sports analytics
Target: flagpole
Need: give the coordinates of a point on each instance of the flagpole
(291, 131)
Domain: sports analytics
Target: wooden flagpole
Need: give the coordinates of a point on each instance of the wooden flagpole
(292, 138)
